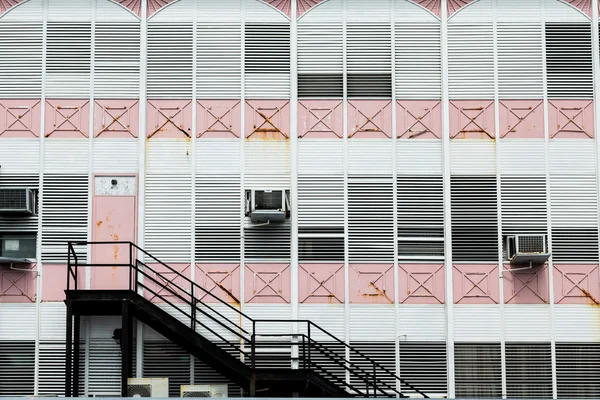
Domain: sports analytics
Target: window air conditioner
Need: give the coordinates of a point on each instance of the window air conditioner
(267, 206)
(526, 249)
(17, 201)
(217, 391)
(147, 387)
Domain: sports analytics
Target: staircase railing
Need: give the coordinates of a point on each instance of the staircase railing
(206, 313)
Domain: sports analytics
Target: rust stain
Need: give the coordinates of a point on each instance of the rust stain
(228, 292)
(380, 293)
(589, 296)
(99, 224)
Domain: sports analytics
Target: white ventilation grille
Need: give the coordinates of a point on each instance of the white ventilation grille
(65, 209)
(52, 368)
(528, 370)
(478, 370)
(17, 368)
(424, 365)
(20, 59)
(370, 218)
(170, 60)
(578, 370)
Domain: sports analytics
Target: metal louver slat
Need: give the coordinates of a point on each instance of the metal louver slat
(382, 353)
(524, 205)
(170, 60)
(17, 368)
(19, 223)
(219, 61)
(104, 375)
(370, 211)
(65, 209)
(270, 242)
(478, 370)
(578, 370)
(205, 375)
(528, 370)
(218, 205)
(117, 60)
(420, 218)
(474, 218)
(424, 365)
(20, 59)
(163, 359)
(569, 60)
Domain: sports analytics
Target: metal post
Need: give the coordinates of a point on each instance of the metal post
(253, 345)
(69, 267)
(374, 381)
(126, 346)
(69, 351)
(193, 304)
(132, 270)
(76, 345)
(309, 346)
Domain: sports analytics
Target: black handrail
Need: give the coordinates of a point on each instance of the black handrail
(371, 375)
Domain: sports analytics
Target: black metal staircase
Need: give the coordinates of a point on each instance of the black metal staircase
(231, 346)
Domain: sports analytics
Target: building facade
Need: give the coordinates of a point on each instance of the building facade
(410, 142)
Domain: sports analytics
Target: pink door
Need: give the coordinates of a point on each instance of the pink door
(113, 215)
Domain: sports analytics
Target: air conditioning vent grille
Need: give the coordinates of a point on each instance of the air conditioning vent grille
(196, 394)
(13, 199)
(139, 390)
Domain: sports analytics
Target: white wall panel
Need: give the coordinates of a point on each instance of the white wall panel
(227, 11)
(330, 317)
(257, 11)
(178, 11)
(269, 311)
(17, 321)
(422, 323)
(377, 11)
(527, 323)
(420, 157)
(560, 11)
(329, 12)
(53, 321)
(169, 156)
(365, 318)
(66, 156)
(572, 156)
(68, 10)
(576, 323)
(116, 156)
(522, 157)
(472, 157)
(370, 157)
(218, 156)
(20, 156)
(477, 323)
(320, 157)
(109, 11)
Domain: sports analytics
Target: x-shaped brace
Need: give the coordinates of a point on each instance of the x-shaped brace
(268, 282)
(168, 284)
(526, 284)
(169, 119)
(576, 285)
(473, 120)
(571, 120)
(14, 283)
(321, 284)
(219, 284)
(476, 285)
(373, 284)
(18, 118)
(369, 120)
(321, 120)
(219, 119)
(530, 110)
(115, 119)
(67, 119)
(421, 285)
(418, 120)
(267, 125)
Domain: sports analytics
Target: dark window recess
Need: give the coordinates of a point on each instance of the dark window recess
(578, 370)
(68, 48)
(270, 242)
(267, 49)
(569, 60)
(423, 365)
(217, 244)
(528, 370)
(369, 85)
(321, 85)
(326, 245)
(478, 370)
(474, 218)
(575, 244)
(380, 352)
(14, 245)
(17, 362)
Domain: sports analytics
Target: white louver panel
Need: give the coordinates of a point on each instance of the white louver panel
(65, 209)
(227, 11)
(474, 218)
(218, 61)
(168, 230)
(68, 59)
(478, 370)
(52, 368)
(20, 59)
(170, 60)
(320, 157)
(380, 352)
(424, 365)
(205, 375)
(320, 60)
(270, 242)
(520, 61)
(369, 60)
(17, 361)
(418, 60)
(163, 359)
(267, 60)
(528, 370)
(321, 218)
(419, 157)
(420, 218)
(569, 60)
(578, 370)
(524, 205)
(117, 60)
(471, 53)
(104, 367)
(370, 211)
(19, 223)
(218, 218)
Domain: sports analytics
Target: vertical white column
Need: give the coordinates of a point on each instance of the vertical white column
(498, 195)
(345, 161)
(139, 346)
(38, 251)
(88, 269)
(294, 156)
(193, 152)
(447, 208)
(242, 156)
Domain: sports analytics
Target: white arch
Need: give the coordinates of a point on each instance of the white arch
(123, 7)
(182, 10)
(328, 2)
(543, 4)
(28, 10)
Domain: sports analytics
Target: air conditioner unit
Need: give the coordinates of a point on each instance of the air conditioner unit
(147, 387)
(17, 201)
(267, 206)
(217, 391)
(431, 395)
(526, 249)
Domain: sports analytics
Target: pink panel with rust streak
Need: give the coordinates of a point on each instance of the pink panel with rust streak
(321, 283)
(169, 119)
(267, 283)
(116, 118)
(219, 118)
(169, 281)
(18, 286)
(421, 284)
(472, 119)
(156, 5)
(571, 119)
(476, 284)
(221, 280)
(521, 119)
(419, 119)
(19, 118)
(305, 5)
(371, 283)
(54, 282)
(576, 284)
(67, 118)
(267, 119)
(527, 287)
(455, 5)
(320, 119)
(370, 118)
